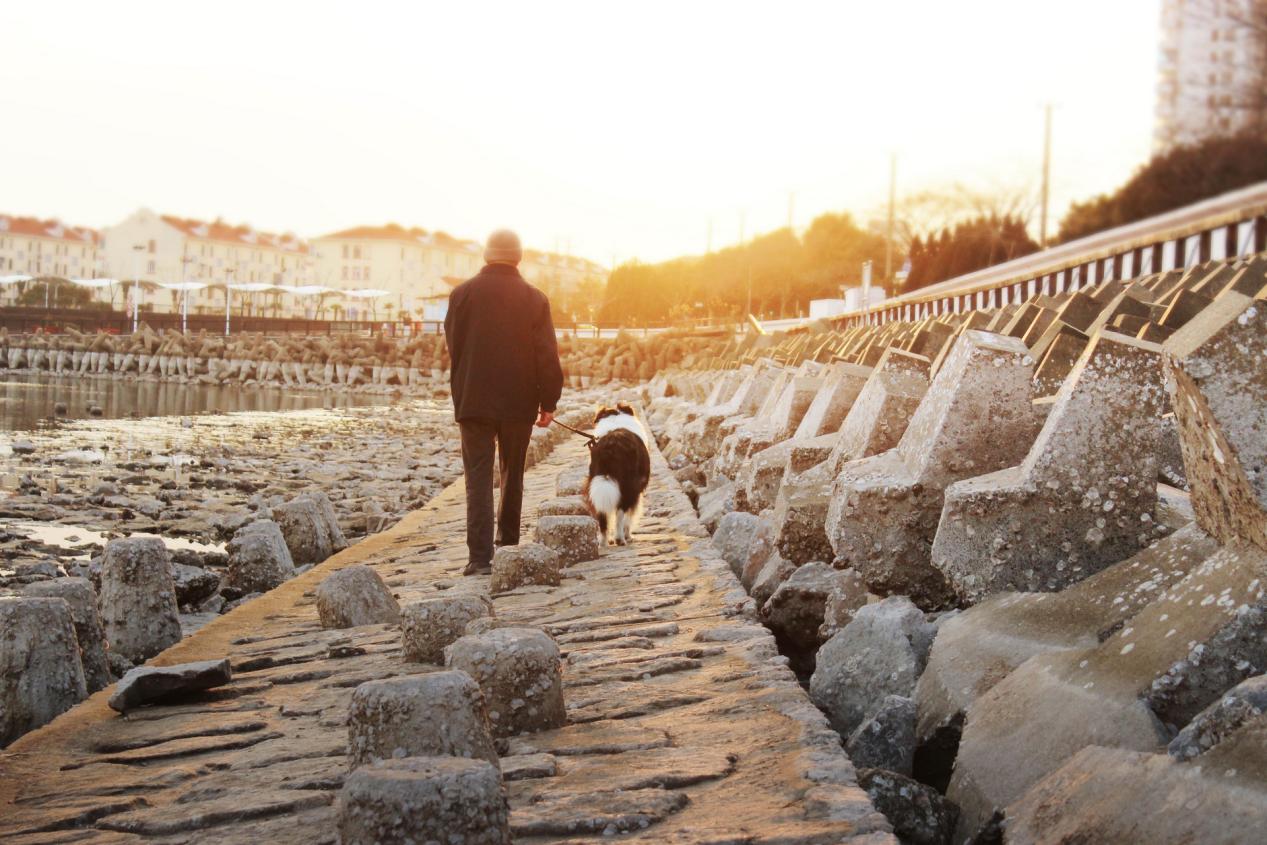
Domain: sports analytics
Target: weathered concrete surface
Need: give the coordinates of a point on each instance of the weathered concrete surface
(875, 423)
(1084, 497)
(81, 597)
(675, 696)
(1219, 383)
(138, 598)
(976, 417)
(40, 672)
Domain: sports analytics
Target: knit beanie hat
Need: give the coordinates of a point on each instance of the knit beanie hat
(503, 248)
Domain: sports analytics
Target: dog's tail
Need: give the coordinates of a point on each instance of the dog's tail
(604, 494)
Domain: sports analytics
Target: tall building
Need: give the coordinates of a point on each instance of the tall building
(33, 247)
(152, 247)
(1212, 71)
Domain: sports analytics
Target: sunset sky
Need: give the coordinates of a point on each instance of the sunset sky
(617, 129)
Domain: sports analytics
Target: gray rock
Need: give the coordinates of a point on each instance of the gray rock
(733, 537)
(429, 626)
(563, 506)
(773, 572)
(795, 610)
(23, 447)
(848, 594)
(424, 799)
(1243, 702)
(194, 585)
(574, 538)
(81, 597)
(41, 675)
(439, 714)
(519, 671)
(570, 482)
(138, 598)
(715, 502)
(147, 684)
(880, 653)
(310, 527)
(886, 740)
(259, 558)
(526, 564)
(919, 814)
(355, 596)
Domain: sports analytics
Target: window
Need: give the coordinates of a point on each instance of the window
(356, 251)
(149, 267)
(345, 255)
(345, 273)
(153, 249)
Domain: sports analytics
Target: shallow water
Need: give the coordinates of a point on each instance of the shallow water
(72, 537)
(29, 399)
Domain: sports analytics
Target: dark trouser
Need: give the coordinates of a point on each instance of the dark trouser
(478, 440)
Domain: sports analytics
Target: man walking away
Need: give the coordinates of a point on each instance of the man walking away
(505, 371)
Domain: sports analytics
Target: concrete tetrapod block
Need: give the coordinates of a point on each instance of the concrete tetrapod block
(575, 538)
(1216, 372)
(138, 598)
(978, 648)
(976, 417)
(1177, 655)
(519, 671)
(762, 474)
(831, 404)
(259, 558)
(424, 800)
(876, 421)
(41, 676)
(526, 564)
(429, 626)
(81, 597)
(355, 596)
(436, 714)
(794, 612)
(1083, 498)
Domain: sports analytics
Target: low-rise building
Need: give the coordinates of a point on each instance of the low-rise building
(160, 248)
(33, 247)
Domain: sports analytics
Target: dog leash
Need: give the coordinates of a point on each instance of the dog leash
(590, 439)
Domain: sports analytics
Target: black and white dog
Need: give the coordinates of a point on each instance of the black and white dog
(620, 467)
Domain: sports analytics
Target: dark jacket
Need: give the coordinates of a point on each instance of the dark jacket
(504, 357)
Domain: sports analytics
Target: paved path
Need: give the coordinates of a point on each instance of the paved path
(685, 725)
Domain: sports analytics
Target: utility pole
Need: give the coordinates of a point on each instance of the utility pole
(1042, 226)
(888, 234)
(747, 259)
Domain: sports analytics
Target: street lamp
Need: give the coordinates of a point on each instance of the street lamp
(136, 287)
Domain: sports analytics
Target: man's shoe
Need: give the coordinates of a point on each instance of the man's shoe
(476, 568)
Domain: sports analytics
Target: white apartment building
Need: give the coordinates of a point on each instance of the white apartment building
(418, 268)
(150, 247)
(1210, 70)
(33, 247)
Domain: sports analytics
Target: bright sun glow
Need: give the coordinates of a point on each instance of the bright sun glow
(617, 130)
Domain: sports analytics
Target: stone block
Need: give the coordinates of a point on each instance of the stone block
(439, 714)
(1084, 497)
(918, 813)
(563, 506)
(82, 598)
(519, 672)
(310, 526)
(1218, 382)
(794, 612)
(848, 594)
(570, 482)
(1242, 704)
(881, 652)
(831, 404)
(138, 598)
(886, 739)
(1205, 634)
(41, 676)
(734, 536)
(355, 596)
(259, 558)
(424, 800)
(430, 626)
(883, 510)
(527, 564)
(574, 538)
(147, 684)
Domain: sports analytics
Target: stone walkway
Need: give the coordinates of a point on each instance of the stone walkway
(685, 724)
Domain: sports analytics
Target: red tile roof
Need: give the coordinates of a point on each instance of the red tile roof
(54, 229)
(241, 235)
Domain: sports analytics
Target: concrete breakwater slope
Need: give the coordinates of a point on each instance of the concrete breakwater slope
(683, 723)
(335, 362)
(1019, 556)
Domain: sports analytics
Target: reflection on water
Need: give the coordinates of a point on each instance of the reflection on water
(73, 537)
(25, 400)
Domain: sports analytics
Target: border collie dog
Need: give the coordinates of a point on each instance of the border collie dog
(620, 467)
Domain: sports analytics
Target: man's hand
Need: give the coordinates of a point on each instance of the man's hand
(544, 418)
